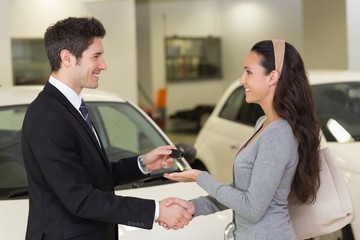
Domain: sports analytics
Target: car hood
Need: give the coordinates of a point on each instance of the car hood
(197, 228)
(14, 213)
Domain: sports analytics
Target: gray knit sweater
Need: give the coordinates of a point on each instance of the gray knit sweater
(263, 172)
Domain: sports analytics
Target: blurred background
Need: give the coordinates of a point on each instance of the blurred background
(175, 58)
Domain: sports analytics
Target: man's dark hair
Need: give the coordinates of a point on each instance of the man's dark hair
(73, 34)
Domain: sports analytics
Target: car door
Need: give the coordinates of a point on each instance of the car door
(227, 129)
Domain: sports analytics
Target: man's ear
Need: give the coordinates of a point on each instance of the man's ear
(274, 77)
(66, 57)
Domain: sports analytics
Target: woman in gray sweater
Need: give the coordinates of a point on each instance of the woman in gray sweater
(281, 157)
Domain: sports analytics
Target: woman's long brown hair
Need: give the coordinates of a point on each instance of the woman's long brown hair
(294, 102)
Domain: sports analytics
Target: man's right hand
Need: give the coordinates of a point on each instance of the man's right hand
(175, 213)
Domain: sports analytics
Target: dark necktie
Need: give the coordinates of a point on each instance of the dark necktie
(85, 113)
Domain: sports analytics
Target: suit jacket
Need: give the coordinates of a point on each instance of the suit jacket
(71, 181)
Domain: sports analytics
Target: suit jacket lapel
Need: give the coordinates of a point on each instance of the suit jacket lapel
(53, 91)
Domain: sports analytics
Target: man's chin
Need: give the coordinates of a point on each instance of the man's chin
(93, 85)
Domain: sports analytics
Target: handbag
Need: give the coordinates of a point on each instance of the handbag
(332, 209)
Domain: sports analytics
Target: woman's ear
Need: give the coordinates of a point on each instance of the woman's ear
(274, 77)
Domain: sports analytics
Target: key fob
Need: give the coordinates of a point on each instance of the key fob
(176, 154)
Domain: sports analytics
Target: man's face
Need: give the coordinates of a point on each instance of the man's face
(86, 72)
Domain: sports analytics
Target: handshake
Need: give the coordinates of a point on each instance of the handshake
(175, 213)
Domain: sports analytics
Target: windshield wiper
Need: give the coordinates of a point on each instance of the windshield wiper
(18, 193)
(152, 180)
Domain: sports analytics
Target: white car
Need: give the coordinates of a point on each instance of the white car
(125, 131)
(337, 97)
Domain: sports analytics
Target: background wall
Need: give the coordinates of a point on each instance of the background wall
(324, 31)
(5, 46)
(182, 18)
(353, 33)
(325, 34)
(145, 82)
(29, 19)
(239, 24)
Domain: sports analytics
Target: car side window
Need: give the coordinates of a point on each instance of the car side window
(236, 109)
(338, 109)
(12, 172)
(124, 132)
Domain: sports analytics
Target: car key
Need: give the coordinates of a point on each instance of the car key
(176, 154)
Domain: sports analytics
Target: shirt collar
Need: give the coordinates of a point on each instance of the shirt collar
(69, 93)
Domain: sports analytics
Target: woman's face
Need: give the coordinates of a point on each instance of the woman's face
(256, 82)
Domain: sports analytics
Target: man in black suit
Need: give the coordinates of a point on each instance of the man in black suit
(71, 194)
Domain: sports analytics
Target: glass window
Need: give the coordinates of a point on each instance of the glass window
(124, 131)
(30, 64)
(338, 108)
(122, 127)
(238, 110)
(12, 172)
(189, 58)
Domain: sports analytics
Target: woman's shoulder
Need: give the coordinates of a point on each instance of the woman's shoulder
(281, 128)
(275, 125)
(279, 133)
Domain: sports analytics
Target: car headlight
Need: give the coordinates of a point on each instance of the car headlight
(229, 232)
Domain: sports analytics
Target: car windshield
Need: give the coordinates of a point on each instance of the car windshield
(338, 108)
(124, 132)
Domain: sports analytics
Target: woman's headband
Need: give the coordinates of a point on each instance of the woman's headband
(279, 52)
